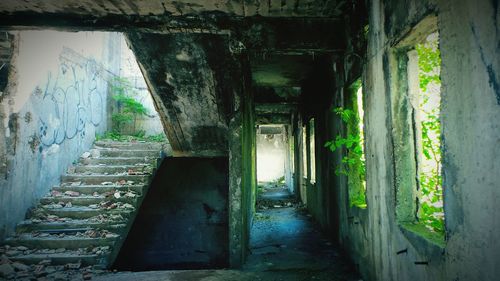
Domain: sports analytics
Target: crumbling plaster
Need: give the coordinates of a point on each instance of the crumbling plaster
(53, 106)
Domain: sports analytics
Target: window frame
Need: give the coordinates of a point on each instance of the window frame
(404, 94)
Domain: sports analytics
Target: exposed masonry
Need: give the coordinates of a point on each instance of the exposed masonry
(84, 220)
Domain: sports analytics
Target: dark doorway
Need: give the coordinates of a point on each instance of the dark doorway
(183, 221)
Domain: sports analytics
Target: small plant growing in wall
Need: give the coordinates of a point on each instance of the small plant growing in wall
(128, 109)
(353, 162)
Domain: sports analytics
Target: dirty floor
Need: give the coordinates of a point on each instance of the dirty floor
(285, 245)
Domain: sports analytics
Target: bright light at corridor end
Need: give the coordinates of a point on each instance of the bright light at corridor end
(270, 153)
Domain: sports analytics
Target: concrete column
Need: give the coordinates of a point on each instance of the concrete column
(242, 170)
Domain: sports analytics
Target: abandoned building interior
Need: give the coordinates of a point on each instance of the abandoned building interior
(250, 140)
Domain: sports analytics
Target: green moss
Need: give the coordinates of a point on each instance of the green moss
(115, 136)
(424, 232)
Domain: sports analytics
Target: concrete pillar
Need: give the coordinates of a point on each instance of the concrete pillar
(242, 169)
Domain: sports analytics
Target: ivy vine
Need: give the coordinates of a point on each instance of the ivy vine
(128, 109)
(353, 162)
(430, 212)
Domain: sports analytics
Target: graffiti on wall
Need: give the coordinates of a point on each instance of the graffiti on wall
(72, 101)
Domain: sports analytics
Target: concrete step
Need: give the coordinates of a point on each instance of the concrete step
(99, 179)
(136, 145)
(29, 226)
(85, 231)
(99, 188)
(82, 212)
(55, 242)
(128, 153)
(87, 200)
(99, 261)
(113, 169)
(119, 160)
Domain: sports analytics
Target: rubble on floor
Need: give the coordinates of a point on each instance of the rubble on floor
(44, 270)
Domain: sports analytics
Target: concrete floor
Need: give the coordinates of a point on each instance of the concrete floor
(285, 245)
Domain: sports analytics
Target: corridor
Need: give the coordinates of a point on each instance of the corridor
(285, 245)
(250, 140)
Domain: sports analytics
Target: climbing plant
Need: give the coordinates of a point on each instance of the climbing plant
(128, 109)
(430, 180)
(353, 162)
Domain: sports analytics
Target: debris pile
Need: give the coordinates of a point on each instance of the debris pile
(78, 226)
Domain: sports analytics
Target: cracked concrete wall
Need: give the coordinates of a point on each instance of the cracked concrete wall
(54, 104)
(469, 36)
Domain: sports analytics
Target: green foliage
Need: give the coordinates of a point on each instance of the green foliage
(139, 136)
(431, 212)
(128, 108)
(280, 180)
(156, 138)
(353, 162)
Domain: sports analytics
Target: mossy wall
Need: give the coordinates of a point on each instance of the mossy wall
(242, 169)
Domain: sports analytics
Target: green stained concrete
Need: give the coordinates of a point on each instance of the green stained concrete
(425, 233)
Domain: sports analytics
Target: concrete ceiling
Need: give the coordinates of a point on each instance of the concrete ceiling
(280, 71)
(283, 38)
(5, 56)
(270, 8)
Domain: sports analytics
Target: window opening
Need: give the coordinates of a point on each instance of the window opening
(430, 208)
(312, 152)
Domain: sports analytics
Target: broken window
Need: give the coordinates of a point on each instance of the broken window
(350, 142)
(430, 209)
(312, 152)
(304, 152)
(417, 131)
(354, 161)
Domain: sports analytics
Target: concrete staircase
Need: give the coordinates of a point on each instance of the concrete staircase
(85, 219)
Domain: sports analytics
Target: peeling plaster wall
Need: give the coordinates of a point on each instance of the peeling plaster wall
(469, 36)
(53, 106)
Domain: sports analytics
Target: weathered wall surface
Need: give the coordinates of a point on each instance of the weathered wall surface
(192, 80)
(242, 166)
(320, 195)
(53, 106)
(469, 36)
(183, 221)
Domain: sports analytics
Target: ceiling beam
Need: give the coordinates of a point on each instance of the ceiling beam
(275, 108)
(261, 36)
(276, 119)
